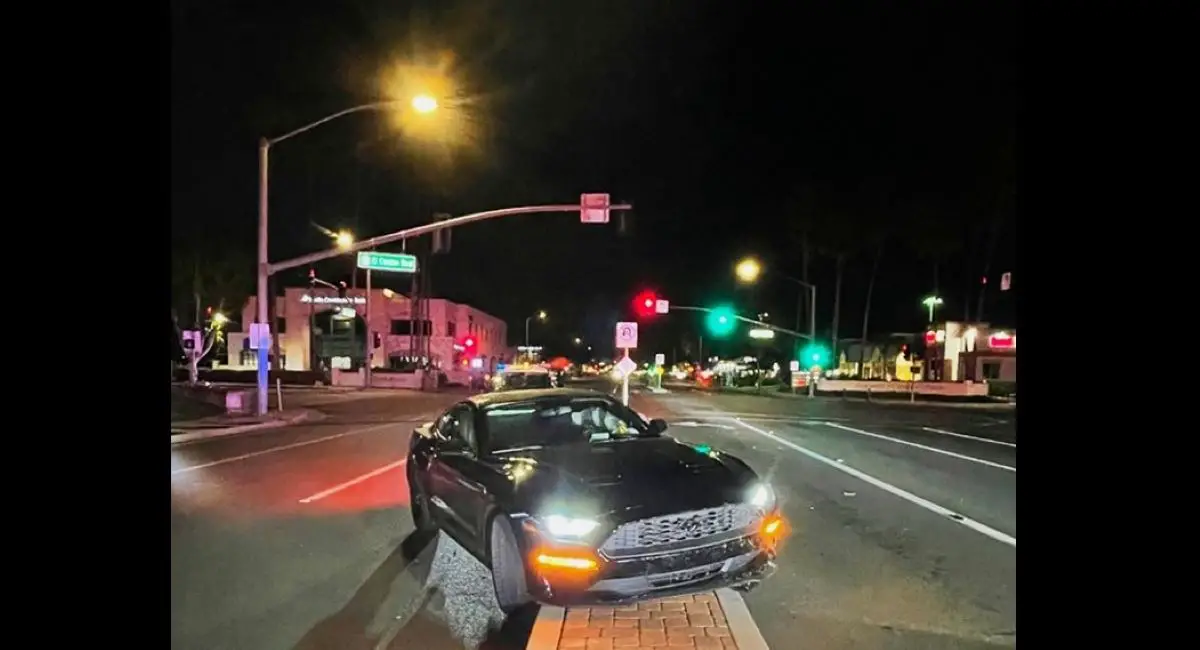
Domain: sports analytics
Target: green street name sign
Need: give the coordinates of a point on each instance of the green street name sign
(397, 262)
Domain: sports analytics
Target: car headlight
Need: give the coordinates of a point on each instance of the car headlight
(569, 527)
(761, 496)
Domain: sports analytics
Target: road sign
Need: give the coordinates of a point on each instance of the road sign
(260, 336)
(662, 306)
(626, 366)
(398, 262)
(1005, 281)
(593, 208)
(794, 366)
(660, 359)
(626, 335)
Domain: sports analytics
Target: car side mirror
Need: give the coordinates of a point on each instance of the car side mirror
(456, 446)
(657, 426)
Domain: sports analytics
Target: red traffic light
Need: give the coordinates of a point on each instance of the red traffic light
(469, 342)
(643, 304)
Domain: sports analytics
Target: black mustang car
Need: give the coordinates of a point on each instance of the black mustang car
(571, 498)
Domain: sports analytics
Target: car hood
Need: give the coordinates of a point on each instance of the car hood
(625, 480)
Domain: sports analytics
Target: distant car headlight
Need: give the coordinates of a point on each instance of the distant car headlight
(569, 527)
(761, 496)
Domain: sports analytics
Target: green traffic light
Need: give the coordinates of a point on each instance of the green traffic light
(721, 321)
(815, 355)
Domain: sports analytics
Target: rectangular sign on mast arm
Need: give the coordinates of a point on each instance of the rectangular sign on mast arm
(593, 208)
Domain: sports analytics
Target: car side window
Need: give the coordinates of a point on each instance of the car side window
(457, 425)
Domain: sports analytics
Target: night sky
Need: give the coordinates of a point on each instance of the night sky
(731, 129)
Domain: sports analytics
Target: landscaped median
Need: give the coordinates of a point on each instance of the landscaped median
(228, 425)
(922, 393)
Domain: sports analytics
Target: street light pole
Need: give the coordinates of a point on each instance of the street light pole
(264, 262)
(264, 146)
(370, 339)
(527, 319)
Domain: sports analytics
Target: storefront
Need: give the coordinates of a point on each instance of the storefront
(970, 352)
(318, 328)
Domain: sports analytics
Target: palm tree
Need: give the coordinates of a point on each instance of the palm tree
(879, 215)
(801, 212)
(1000, 202)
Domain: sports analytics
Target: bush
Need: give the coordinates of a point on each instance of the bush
(1002, 388)
(222, 375)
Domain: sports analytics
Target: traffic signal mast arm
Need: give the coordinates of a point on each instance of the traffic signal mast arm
(417, 231)
(747, 320)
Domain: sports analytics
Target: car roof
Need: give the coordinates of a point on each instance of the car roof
(510, 396)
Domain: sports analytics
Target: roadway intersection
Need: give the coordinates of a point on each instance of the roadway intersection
(903, 526)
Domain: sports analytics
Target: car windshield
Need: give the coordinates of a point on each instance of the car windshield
(527, 380)
(558, 420)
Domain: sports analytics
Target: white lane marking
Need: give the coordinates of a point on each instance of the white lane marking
(294, 445)
(921, 446)
(963, 435)
(354, 481)
(889, 488)
(702, 415)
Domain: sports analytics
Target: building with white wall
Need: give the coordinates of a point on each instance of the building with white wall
(970, 352)
(303, 315)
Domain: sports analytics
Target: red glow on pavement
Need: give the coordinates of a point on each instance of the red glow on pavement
(241, 491)
(388, 490)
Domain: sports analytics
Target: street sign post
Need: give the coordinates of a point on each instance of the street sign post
(627, 339)
(260, 336)
(397, 262)
(627, 336)
(593, 208)
(660, 359)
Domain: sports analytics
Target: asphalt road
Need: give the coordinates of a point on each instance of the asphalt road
(903, 518)
(300, 537)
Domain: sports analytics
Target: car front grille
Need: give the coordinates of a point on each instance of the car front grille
(679, 530)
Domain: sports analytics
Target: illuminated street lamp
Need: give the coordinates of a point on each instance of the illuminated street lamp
(219, 320)
(541, 315)
(748, 270)
(932, 302)
(344, 239)
(424, 104)
(578, 340)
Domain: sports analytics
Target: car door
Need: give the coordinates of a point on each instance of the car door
(456, 493)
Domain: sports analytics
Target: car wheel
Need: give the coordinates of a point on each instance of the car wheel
(418, 503)
(508, 568)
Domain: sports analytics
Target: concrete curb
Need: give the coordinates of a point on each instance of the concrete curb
(183, 435)
(741, 625)
(547, 629)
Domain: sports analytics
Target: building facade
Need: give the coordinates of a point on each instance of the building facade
(970, 352)
(318, 328)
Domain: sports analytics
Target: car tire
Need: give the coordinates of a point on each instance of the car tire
(508, 568)
(418, 504)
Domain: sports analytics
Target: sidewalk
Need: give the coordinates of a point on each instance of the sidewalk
(228, 425)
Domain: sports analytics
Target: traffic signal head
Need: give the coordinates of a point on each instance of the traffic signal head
(721, 321)
(643, 304)
(814, 354)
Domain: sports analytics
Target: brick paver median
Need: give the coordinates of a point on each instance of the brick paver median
(679, 622)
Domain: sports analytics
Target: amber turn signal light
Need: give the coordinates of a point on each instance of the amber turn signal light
(550, 560)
